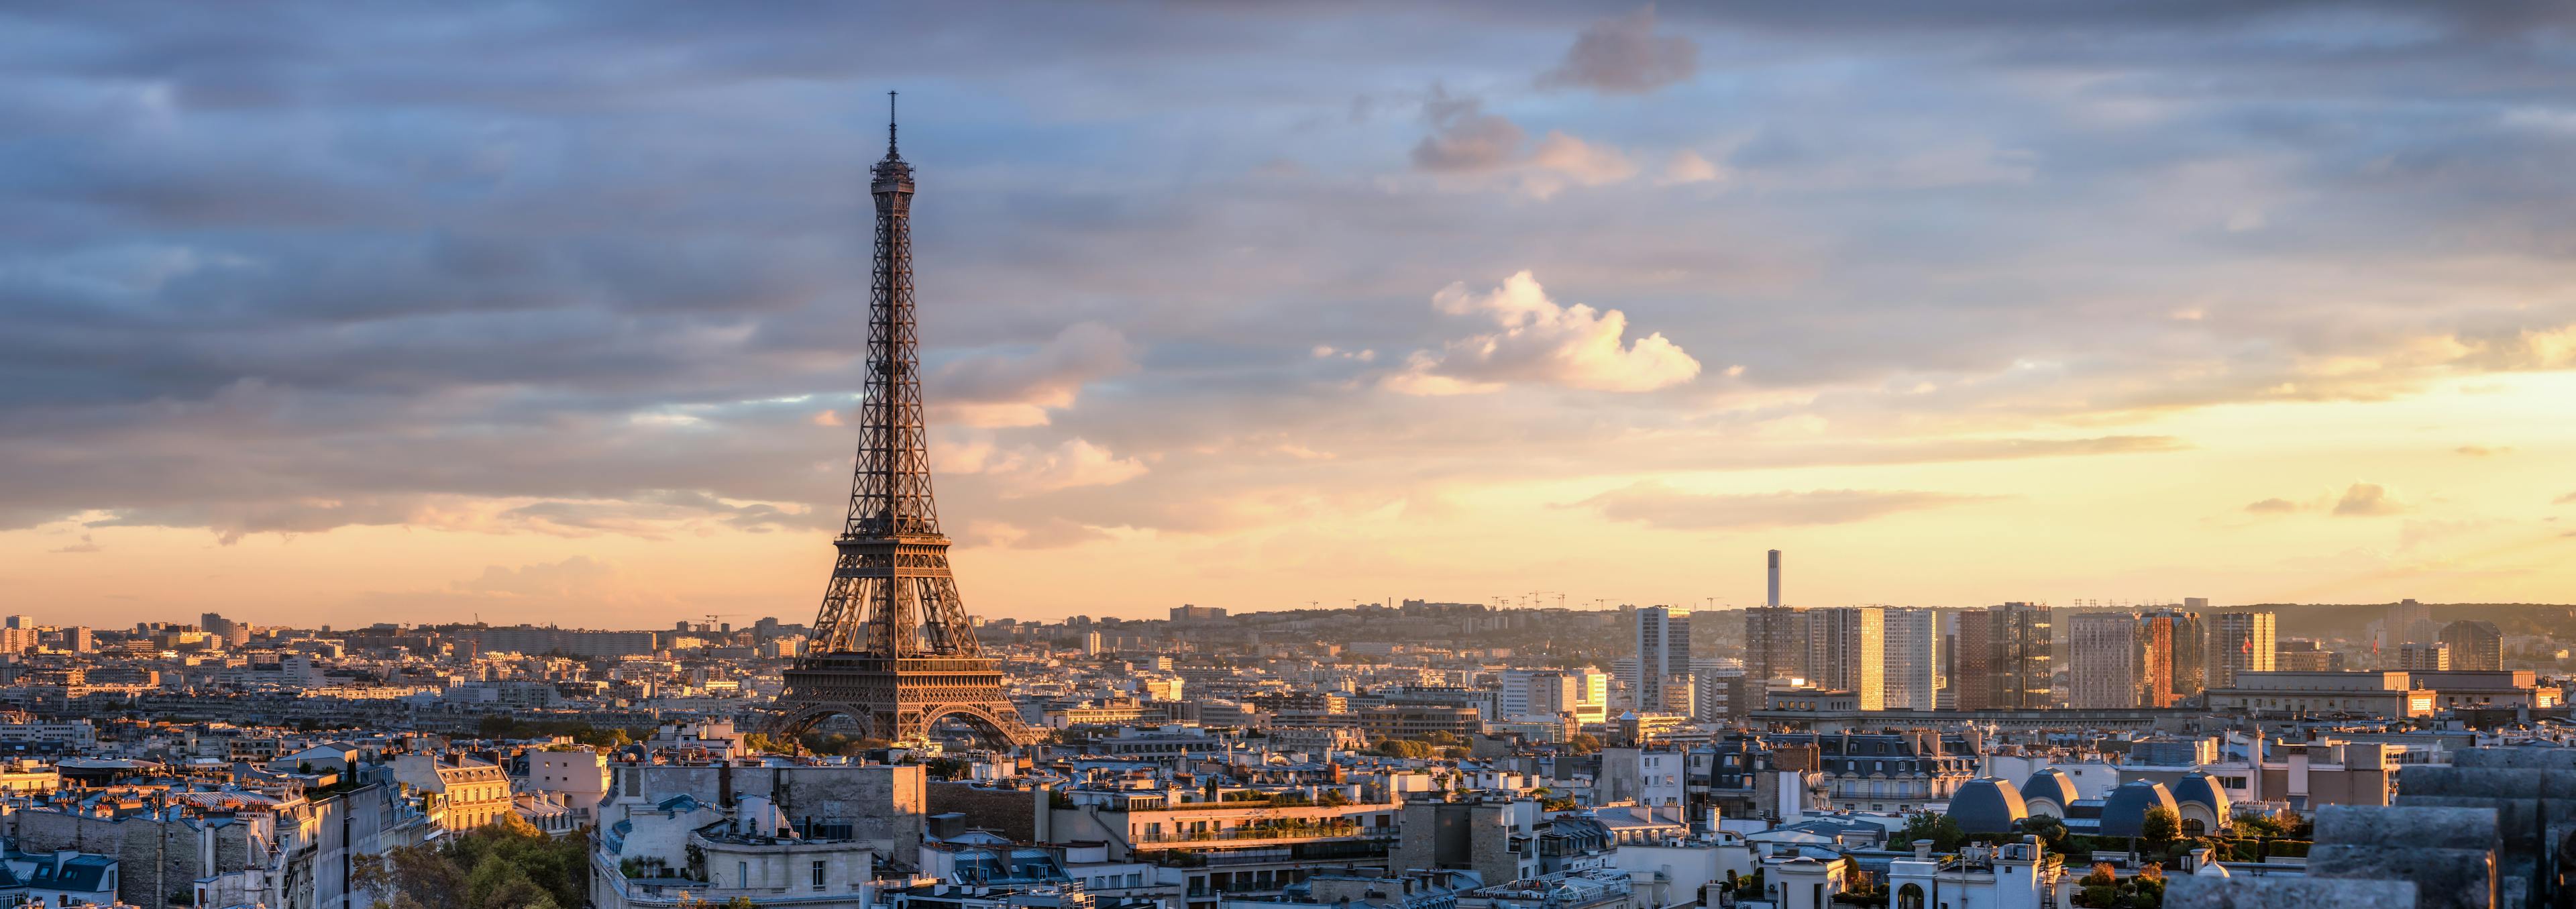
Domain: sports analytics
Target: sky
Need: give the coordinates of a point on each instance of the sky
(325, 314)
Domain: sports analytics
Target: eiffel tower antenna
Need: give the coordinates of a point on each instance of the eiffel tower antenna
(892, 648)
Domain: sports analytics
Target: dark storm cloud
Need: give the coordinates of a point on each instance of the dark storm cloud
(286, 267)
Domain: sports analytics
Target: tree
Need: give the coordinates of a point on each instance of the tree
(2051, 831)
(2261, 824)
(504, 865)
(2161, 826)
(1400, 748)
(1938, 829)
(1584, 743)
(2102, 875)
(945, 768)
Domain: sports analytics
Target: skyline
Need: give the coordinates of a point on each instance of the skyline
(317, 326)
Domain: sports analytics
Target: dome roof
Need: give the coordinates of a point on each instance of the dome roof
(2052, 784)
(1988, 805)
(2199, 787)
(2124, 813)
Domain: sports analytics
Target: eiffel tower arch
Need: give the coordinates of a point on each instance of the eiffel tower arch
(892, 648)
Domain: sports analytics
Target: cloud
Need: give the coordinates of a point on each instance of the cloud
(2480, 451)
(575, 575)
(85, 545)
(1005, 390)
(657, 514)
(2568, 499)
(293, 270)
(1478, 149)
(1623, 55)
(2366, 500)
(1541, 341)
(1688, 166)
(1027, 470)
(2357, 500)
(1561, 159)
(2416, 532)
(1465, 139)
(1655, 504)
(1051, 533)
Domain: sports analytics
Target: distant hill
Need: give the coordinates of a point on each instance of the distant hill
(2351, 620)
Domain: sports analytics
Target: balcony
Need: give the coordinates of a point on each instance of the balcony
(1265, 833)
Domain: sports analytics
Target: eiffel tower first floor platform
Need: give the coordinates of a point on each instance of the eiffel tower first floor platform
(900, 699)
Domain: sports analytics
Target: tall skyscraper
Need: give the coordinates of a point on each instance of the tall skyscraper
(1773, 600)
(1775, 643)
(2474, 645)
(1913, 658)
(2105, 664)
(2407, 622)
(1972, 674)
(2176, 643)
(2127, 659)
(2020, 656)
(1847, 650)
(77, 638)
(2239, 642)
(1663, 651)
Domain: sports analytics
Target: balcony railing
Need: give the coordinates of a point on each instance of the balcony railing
(1264, 832)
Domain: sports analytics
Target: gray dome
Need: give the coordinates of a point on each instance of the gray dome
(1988, 805)
(2052, 784)
(2124, 813)
(2198, 787)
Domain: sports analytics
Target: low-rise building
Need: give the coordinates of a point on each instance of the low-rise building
(2376, 695)
(2007, 876)
(2471, 689)
(462, 795)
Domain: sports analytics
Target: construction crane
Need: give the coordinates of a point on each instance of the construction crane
(711, 618)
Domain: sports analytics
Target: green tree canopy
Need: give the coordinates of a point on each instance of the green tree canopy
(2162, 826)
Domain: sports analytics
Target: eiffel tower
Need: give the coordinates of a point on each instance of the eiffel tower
(892, 648)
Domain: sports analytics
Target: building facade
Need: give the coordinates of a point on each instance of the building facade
(2475, 646)
(1847, 651)
(1775, 642)
(1913, 659)
(1663, 652)
(2020, 657)
(2240, 642)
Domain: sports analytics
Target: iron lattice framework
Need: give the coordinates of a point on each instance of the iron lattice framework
(891, 646)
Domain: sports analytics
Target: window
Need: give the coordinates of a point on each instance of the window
(818, 875)
(742, 874)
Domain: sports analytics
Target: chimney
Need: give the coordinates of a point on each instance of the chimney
(1775, 579)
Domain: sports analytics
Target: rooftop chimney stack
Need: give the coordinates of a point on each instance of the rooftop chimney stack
(1775, 579)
